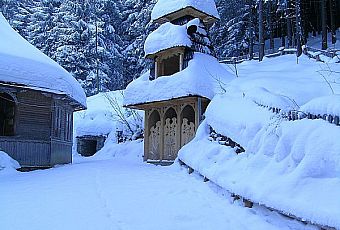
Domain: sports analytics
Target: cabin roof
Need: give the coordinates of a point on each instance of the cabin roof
(165, 37)
(23, 64)
(167, 10)
(204, 77)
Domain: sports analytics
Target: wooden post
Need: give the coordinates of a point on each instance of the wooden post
(181, 59)
(156, 69)
(146, 135)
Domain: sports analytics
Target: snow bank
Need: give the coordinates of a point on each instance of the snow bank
(23, 64)
(262, 96)
(7, 164)
(166, 36)
(203, 77)
(323, 105)
(292, 166)
(165, 7)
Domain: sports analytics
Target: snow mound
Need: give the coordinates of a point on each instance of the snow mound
(323, 105)
(291, 166)
(262, 96)
(166, 36)
(165, 7)
(204, 77)
(7, 164)
(23, 64)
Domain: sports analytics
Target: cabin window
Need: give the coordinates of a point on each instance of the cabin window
(57, 121)
(68, 128)
(7, 115)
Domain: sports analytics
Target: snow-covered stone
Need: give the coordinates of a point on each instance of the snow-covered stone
(204, 77)
(165, 7)
(166, 36)
(23, 64)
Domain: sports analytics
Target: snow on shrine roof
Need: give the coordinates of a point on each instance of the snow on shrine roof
(166, 36)
(204, 77)
(166, 7)
(23, 64)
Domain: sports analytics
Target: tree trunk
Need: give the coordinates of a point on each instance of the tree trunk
(333, 15)
(298, 28)
(282, 26)
(289, 24)
(261, 31)
(270, 22)
(251, 32)
(324, 24)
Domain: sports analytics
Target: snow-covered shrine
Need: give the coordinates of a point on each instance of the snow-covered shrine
(184, 76)
(37, 101)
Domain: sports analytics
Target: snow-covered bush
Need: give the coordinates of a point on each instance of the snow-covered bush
(106, 116)
(7, 164)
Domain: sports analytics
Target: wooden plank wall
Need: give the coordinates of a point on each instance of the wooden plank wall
(27, 152)
(33, 118)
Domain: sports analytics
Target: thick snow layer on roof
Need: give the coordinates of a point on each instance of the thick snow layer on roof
(203, 77)
(167, 36)
(323, 105)
(165, 7)
(21, 63)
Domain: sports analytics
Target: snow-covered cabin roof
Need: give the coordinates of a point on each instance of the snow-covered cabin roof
(24, 65)
(165, 37)
(167, 10)
(204, 77)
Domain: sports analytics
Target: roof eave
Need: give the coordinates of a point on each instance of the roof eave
(209, 20)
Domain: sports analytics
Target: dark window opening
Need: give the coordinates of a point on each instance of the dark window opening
(170, 66)
(7, 115)
(87, 147)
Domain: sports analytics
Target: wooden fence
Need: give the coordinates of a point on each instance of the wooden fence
(309, 51)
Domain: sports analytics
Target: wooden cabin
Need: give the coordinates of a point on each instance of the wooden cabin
(37, 101)
(172, 123)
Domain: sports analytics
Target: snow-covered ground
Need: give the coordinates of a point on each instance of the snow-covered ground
(116, 190)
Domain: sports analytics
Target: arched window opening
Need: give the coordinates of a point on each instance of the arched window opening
(154, 136)
(170, 137)
(7, 115)
(187, 125)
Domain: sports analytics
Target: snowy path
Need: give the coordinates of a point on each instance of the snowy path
(121, 194)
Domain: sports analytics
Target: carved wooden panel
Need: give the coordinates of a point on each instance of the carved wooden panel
(155, 142)
(187, 131)
(170, 140)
